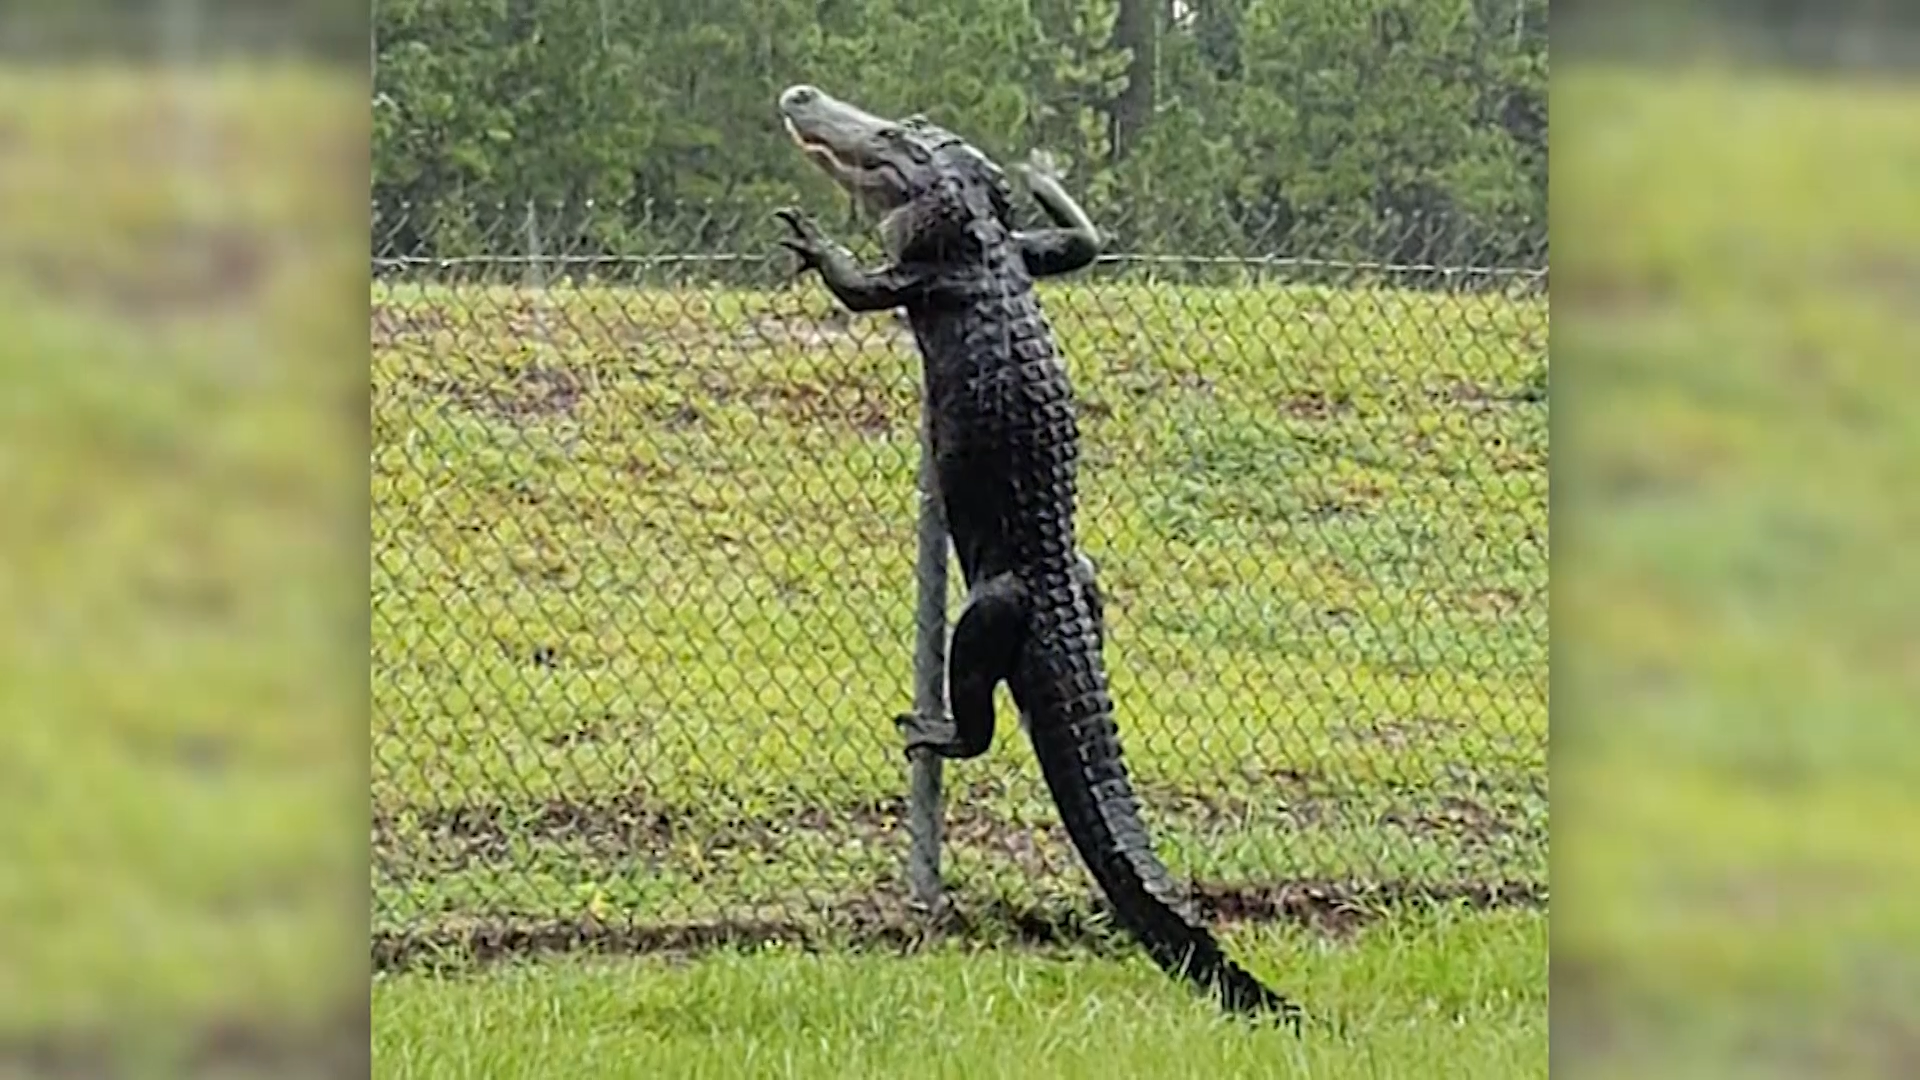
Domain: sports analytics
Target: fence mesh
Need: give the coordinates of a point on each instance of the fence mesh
(644, 592)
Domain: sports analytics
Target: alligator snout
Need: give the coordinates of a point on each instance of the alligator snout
(846, 141)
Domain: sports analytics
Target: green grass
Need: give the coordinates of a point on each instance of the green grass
(1738, 690)
(1447, 993)
(643, 589)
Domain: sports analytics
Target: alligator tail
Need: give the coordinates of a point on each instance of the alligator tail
(1079, 752)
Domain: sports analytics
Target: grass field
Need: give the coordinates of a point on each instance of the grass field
(183, 712)
(643, 580)
(1735, 719)
(643, 590)
(1466, 989)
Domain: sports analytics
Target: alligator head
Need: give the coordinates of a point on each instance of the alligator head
(925, 183)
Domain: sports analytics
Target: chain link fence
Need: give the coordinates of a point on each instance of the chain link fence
(650, 582)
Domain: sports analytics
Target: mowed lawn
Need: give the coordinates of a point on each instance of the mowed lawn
(1739, 676)
(1444, 993)
(643, 593)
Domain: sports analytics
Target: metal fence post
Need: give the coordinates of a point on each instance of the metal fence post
(924, 810)
(531, 278)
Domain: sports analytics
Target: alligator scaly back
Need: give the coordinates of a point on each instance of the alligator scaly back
(1005, 448)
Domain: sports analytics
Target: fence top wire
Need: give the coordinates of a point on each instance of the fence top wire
(572, 238)
(1274, 262)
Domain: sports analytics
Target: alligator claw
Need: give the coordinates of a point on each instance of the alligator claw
(795, 220)
(925, 733)
(805, 241)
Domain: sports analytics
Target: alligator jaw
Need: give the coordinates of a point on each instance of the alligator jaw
(815, 149)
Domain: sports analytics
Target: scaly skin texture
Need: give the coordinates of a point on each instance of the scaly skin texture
(1006, 449)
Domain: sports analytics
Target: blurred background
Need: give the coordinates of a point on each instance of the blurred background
(182, 556)
(1733, 204)
(183, 207)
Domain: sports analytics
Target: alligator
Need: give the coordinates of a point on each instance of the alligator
(1005, 448)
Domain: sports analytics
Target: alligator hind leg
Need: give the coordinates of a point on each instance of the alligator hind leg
(986, 640)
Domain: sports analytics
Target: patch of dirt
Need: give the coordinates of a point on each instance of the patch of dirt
(1315, 405)
(1288, 794)
(637, 826)
(629, 825)
(1453, 815)
(654, 331)
(1398, 732)
(531, 394)
(1467, 394)
(677, 416)
(1610, 1020)
(459, 836)
(1891, 277)
(213, 1046)
(862, 408)
(391, 324)
(1337, 504)
(605, 727)
(1035, 849)
(1340, 908)
(1462, 392)
(837, 330)
(887, 921)
(174, 271)
(1607, 294)
(1195, 382)
(1501, 600)
(1094, 408)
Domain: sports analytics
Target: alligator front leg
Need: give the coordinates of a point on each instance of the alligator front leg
(1074, 244)
(986, 641)
(856, 288)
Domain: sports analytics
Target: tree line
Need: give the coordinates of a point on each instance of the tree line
(1402, 130)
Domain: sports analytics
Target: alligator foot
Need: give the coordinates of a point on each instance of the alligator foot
(1039, 168)
(937, 734)
(807, 241)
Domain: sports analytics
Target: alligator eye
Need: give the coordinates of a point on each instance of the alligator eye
(890, 134)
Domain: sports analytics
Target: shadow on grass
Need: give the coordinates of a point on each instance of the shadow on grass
(889, 921)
